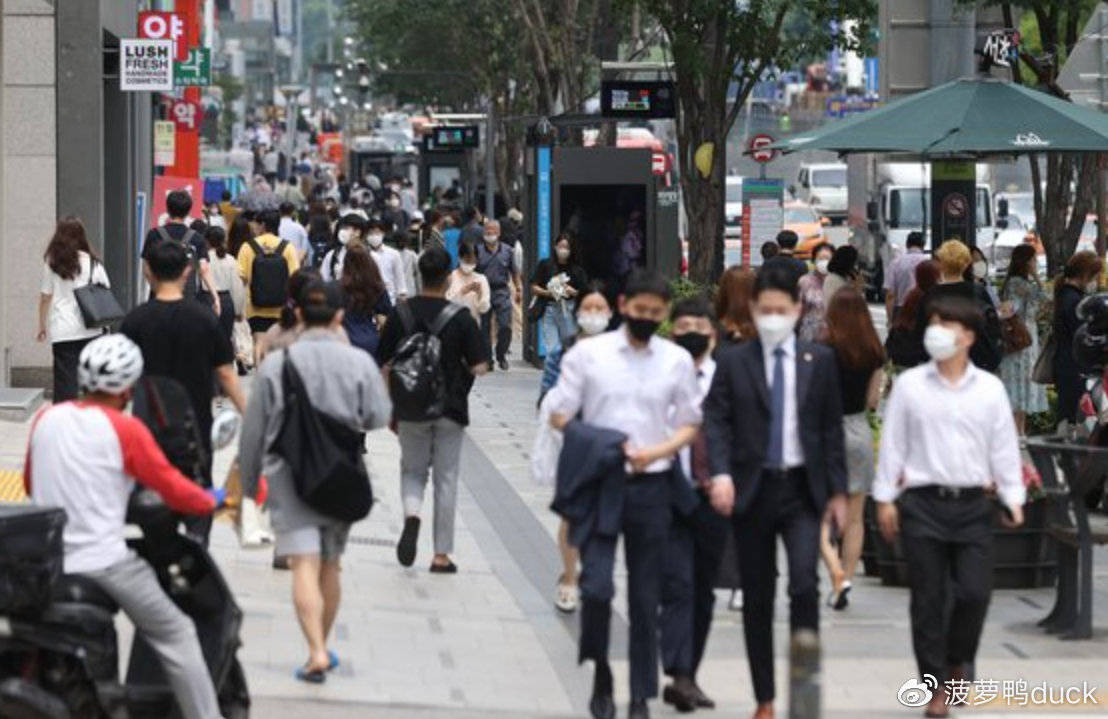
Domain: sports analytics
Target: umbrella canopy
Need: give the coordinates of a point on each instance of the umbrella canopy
(979, 116)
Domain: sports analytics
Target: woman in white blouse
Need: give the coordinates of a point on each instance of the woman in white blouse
(69, 264)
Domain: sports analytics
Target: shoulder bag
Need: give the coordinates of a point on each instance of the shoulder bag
(99, 307)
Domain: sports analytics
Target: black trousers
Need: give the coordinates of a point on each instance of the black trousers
(948, 546)
(66, 355)
(692, 563)
(502, 308)
(783, 506)
(646, 522)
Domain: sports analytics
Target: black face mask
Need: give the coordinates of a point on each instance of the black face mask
(695, 342)
(640, 328)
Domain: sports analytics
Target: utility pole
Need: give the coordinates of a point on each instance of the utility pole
(1102, 86)
(490, 160)
(330, 31)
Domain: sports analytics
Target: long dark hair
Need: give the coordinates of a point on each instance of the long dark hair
(928, 274)
(319, 230)
(1019, 265)
(1082, 264)
(844, 262)
(851, 333)
(63, 252)
(736, 289)
(297, 282)
(361, 280)
(572, 249)
(239, 234)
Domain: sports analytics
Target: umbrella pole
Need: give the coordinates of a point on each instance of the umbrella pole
(1101, 210)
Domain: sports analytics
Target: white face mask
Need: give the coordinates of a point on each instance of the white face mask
(563, 254)
(375, 240)
(940, 342)
(491, 240)
(394, 203)
(345, 235)
(980, 269)
(593, 323)
(774, 329)
(821, 266)
(1092, 287)
(467, 267)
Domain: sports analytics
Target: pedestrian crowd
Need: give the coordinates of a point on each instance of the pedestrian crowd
(750, 421)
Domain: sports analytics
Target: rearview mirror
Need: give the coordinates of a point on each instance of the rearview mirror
(1001, 223)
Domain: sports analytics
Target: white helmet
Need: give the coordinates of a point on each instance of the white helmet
(109, 364)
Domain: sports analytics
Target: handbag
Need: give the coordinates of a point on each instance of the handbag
(99, 307)
(1014, 334)
(1043, 371)
(323, 454)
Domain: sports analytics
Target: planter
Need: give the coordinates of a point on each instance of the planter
(1022, 558)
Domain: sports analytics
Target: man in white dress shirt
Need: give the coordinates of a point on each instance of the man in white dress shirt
(389, 262)
(644, 386)
(696, 543)
(947, 438)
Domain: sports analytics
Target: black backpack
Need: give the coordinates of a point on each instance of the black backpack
(163, 405)
(192, 284)
(323, 454)
(417, 383)
(269, 276)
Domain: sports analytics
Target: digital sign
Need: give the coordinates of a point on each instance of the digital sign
(637, 99)
(450, 137)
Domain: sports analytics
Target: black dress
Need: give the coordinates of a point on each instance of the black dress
(1067, 373)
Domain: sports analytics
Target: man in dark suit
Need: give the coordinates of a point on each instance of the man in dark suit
(773, 419)
(787, 240)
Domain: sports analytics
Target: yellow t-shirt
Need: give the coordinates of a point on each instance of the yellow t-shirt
(246, 265)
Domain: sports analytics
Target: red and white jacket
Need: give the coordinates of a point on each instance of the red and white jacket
(85, 458)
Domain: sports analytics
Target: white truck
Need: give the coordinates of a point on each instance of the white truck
(823, 186)
(889, 200)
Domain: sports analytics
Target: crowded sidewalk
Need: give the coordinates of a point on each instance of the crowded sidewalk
(487, 642)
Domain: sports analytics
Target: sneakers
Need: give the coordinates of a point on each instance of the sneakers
(736, 603)
(840, 599)
(565, 600)
(406, 547)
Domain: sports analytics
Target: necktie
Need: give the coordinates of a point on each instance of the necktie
(775, 458)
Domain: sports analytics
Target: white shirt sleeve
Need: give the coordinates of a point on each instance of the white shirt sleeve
(567, 395)
(894, 438)
(398, 274)
(686, 396)
(47, 286)
(1005, 463)
(100, 275)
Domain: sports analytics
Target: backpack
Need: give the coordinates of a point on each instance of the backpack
(987, 351)
(417, 383)
(163, 405)
(269, 276)
(192, 284)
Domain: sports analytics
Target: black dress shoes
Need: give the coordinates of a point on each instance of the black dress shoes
(638, 710)
(702, 700)
(602, 705)
(681, 694)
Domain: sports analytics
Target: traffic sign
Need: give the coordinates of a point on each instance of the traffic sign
(758, 143)
(165, 26)
(658, 163)
(196, 71)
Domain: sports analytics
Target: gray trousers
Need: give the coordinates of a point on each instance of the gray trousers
(425, 447)
(170, 633)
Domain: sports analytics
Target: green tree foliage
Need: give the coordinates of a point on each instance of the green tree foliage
(715, 43)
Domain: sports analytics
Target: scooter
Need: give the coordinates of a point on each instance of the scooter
(62, 662)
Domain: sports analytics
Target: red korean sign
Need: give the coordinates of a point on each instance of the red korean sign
(165, 26)
(185, 115)
(165, 184)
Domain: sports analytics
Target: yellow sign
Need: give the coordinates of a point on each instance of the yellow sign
(165, 143)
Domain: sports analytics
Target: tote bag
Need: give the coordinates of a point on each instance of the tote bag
(1043, 371)
(99, 307)
(323, 454)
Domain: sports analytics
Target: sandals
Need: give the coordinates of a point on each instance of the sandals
(566, 598)
(448, 568)
(317, 676)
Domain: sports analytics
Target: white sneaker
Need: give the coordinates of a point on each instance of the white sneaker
(736, 603)
(566, 598)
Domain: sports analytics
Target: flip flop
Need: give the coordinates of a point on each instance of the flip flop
(314, 676)
(334, 660)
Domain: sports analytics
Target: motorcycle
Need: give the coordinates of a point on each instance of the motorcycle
(61, 662)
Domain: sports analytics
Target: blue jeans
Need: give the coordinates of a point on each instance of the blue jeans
(558, 324)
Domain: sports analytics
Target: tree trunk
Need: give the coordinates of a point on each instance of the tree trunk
(700, 121)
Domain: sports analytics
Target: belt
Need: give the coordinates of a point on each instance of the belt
(956, 493)
(648, 476)
(798, 473)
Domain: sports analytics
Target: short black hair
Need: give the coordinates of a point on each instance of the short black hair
(951, 308)
(915, 239)
(467, 248)
(320, 302)
(471, 213)
(270, 220)
(434, 266)
(199, 226)
(287, 208)
(690, 307)
(178, 203)
(352, 220)
(226, 195)
(769, 249)
(646, 282)
(844, 262)
(821, 247)
(167, 260)
(787, 239)
(776, 277)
